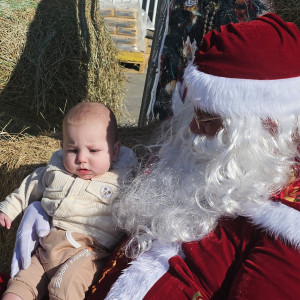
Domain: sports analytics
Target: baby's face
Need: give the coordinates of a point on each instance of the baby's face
(86, 152)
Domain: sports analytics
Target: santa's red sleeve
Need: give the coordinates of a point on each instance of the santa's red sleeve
(205, 267)
(236, 261)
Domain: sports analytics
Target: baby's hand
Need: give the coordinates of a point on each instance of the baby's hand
(5, 221)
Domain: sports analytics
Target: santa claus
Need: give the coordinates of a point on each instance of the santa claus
(217, 216)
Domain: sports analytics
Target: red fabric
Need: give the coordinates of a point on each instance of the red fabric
(110, 273)
(236, 261)
(236, 49)
(4, 277)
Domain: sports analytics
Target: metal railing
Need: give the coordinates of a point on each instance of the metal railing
(153, 71)
(150, 7)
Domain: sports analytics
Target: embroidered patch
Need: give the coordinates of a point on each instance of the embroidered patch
(197, 296)
(106, 192)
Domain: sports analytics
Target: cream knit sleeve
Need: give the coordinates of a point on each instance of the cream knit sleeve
(31, 189)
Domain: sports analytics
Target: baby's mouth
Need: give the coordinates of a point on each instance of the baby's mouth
(84, 171)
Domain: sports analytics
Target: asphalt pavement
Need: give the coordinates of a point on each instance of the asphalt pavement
(133, 98)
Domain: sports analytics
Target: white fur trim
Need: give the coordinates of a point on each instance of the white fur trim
(277, 219)
(231, 97)
(140, 276)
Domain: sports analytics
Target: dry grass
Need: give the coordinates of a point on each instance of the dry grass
(20, 155)
(54, 54)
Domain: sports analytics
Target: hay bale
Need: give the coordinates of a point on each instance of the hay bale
(287, 10)
(54, 54)
(21, 155)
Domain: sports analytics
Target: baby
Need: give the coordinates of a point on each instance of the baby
(76, 189)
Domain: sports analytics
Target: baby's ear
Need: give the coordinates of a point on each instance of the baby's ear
(116, 151)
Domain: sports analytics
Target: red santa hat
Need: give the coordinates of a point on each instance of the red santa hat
(248, 68)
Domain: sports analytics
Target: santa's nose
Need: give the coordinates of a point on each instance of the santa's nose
(195, 128)
(207, 127)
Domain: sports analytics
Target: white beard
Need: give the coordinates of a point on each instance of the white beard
(167, 203)
(198, 180)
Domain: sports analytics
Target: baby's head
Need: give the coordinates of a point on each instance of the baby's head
(90, 139)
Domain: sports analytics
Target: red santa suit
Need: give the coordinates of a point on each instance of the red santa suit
(254, 257)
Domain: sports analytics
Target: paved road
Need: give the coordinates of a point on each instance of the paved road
(133, 99)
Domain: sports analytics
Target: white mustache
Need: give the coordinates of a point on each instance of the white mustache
(210, 146)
